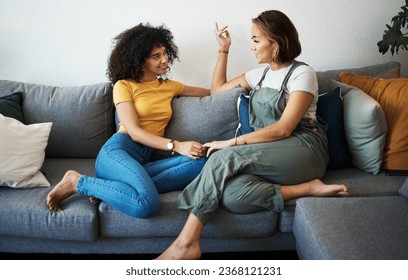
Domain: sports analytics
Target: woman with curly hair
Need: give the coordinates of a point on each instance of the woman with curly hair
(126, 178)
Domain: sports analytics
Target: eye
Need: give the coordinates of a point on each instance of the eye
(254, 40)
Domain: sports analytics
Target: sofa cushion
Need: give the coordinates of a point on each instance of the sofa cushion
(330, 109)
(392, 95)
(360, 183)
(22, 153)
(10, 106)
(82, 116)
(358, 228)
(384, 70)
(24, 213)
(170, 221)
(365, 128)
(286, 216)
(404, 189)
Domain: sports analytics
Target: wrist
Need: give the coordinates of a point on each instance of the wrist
(242, 140)
(176, 145)
(238, 141)
(223, 50)
(171, 146)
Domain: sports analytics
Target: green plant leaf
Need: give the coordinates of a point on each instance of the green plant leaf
(393, 37)
(393, 40)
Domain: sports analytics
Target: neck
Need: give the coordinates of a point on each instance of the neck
(147, 81)
(275, 66)
(148, 78)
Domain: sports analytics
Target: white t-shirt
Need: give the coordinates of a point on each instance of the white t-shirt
(303, 78)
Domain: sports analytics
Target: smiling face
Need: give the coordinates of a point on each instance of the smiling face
(155, 64)
(264, 49)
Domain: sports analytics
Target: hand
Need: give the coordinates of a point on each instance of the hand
(223, 37)
(192, 149)
(219, 145)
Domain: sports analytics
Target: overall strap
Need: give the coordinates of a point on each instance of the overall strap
(259, 84)
(285, 80)
(295, 65)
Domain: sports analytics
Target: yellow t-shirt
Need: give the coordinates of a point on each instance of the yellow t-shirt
(152, 101)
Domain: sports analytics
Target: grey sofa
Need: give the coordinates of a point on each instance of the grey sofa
(84, 118)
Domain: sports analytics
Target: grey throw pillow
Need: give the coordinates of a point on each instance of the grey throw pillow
(365, 128)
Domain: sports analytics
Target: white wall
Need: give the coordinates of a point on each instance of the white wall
(67, 43)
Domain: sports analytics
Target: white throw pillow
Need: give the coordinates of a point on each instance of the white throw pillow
(22, 153)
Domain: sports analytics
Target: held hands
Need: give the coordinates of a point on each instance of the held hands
(218, 145)
(192, 149)
(223, 37)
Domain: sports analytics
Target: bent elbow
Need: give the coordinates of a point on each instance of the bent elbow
(285, 133)
(283, 130)
(214, 90)
(282, 133)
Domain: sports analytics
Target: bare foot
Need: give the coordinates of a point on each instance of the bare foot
(64, 189)
(181, 251)
(318, 188)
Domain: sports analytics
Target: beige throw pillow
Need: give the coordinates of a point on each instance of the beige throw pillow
(22, 153)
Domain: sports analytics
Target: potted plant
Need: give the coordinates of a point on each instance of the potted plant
(396, 36)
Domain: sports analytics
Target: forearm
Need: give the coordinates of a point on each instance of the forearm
(220, 72)
(146, 138)
(270, 133)
(259, 136)
(195, 91)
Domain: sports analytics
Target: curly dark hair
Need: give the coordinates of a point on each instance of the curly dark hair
(133, 46)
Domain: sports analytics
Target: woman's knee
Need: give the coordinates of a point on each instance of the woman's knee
(244, 192)
(222, 158)
(144, 210)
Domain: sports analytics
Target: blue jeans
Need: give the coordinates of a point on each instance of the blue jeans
(127, 181)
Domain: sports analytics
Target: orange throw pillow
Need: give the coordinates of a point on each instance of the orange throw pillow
(392, 95)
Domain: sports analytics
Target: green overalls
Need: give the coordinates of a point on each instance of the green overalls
(247, 178)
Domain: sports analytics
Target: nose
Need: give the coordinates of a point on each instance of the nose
(165, 58)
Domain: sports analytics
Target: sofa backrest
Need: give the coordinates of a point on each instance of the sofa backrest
(384, 70)
(205, 119)
(82, 116)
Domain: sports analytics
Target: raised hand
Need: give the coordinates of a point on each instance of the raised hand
(223, 37)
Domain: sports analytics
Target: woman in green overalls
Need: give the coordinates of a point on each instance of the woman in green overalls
(281, 157)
